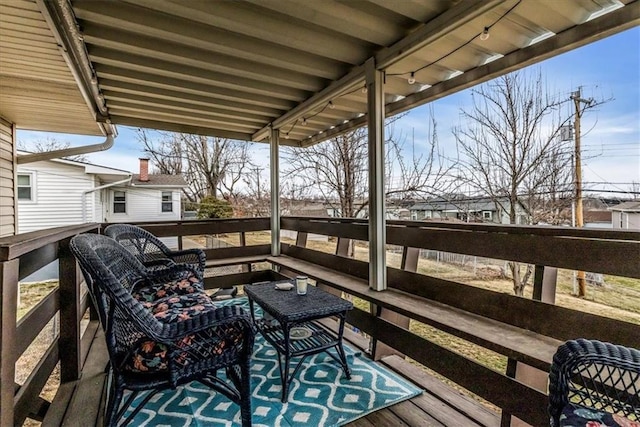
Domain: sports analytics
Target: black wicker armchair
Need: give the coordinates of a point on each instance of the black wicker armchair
(161, 329)
(150, 250)
(592, 381)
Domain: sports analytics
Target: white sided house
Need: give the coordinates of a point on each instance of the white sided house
(626, 215)
(61, 192)
(147, 197)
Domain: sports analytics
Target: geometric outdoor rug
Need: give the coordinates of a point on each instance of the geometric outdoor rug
(319, 395)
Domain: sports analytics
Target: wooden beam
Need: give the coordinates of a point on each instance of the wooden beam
(70, 360)
(32, 323)
(29, 392)
(8, 305)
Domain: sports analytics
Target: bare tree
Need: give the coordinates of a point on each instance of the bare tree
(257, 193)
(211, 166)
(49, 144)
(511, 147)
(337, 169)
(548, 188)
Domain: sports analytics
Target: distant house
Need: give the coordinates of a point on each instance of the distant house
(59, 192)
(626, 215)
(468, 209)
(597, 219)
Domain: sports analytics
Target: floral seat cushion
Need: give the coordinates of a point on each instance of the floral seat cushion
(151, 356)
(185, 283)
(574, 415)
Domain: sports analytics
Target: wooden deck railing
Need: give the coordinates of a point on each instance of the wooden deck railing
(526, 331)
(26, 253)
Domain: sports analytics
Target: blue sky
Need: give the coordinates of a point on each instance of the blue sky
(609, 68)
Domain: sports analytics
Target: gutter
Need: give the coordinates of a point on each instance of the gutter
(73, 151)
(102, 187)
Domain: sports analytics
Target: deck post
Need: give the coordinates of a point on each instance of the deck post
(8, 307)
(379, 349)
(377, 232)
(70, 358)
(544, 289)
(274, 168)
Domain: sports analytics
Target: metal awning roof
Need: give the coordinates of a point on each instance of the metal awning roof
(235, 68)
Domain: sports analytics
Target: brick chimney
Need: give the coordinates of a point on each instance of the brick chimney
(144, 169)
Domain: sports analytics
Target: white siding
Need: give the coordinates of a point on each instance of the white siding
(625, 220)
(142, 204)
(7, 179)
(57, 196)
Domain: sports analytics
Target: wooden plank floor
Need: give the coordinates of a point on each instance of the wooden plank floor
(82, 402)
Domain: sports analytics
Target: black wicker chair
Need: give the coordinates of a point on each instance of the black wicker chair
(150, 250)
(161, 329)
(594, 381)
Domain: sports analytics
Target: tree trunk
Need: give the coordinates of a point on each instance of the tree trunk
(518, 284)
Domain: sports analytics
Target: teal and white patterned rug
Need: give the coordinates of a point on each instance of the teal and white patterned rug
(320, 395)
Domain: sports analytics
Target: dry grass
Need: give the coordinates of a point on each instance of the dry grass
(30, 295)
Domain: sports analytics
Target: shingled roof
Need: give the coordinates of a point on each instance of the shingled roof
(159, 180)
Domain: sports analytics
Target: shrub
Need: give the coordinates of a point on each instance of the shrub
(210, 207)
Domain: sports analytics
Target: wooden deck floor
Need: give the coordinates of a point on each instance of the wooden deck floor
(82, 402)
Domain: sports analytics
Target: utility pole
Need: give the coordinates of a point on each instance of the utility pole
(577, 100)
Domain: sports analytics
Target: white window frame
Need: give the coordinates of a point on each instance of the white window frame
(32, 187)
(485, 216)
(164, 202)
(113, 202)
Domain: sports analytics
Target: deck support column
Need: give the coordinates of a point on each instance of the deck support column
(8, 309)
(377, 224)
(274, 168)
(70, 357)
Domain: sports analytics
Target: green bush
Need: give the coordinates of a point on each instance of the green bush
(210, 207)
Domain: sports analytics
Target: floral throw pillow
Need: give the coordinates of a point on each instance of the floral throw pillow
(579, 416)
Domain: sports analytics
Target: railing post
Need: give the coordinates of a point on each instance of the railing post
(544, 289)
(8, 305)
(70, 359)
(379, 349)
(301, 239)
(243, 242)
(342, 249)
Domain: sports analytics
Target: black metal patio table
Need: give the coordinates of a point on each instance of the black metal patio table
(293, 311)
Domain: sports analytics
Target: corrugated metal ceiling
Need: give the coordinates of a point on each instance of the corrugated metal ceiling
(232, 68)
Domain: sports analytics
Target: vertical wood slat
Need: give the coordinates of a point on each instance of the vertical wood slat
(9, 307)
(70, 358)
(409, 262)
(544, 289)
(342, 249)
(301, 238)
(243, 242)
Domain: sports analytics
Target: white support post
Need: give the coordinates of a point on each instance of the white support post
(377, 223)
(274, 168)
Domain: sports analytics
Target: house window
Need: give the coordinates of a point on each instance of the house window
(488, 215)
(25, 187)
(167, 201)
(119, 202)
(414, 216)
